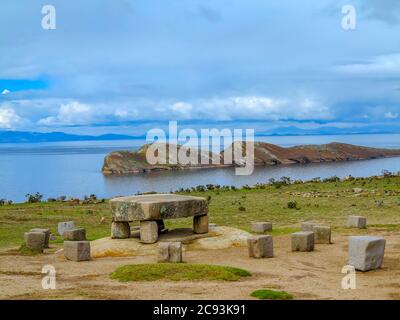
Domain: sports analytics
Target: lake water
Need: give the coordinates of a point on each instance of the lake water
(74, 168)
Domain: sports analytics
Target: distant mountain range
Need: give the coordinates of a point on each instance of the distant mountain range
(32, 137)
(295, 131)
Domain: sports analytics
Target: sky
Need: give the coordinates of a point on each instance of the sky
(124, 66)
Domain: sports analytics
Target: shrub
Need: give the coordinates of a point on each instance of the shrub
(292, 204)
(241, 208)
(34, 198)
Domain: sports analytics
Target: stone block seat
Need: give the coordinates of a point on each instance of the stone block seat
(151, 210)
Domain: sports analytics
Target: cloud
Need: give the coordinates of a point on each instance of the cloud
(379, 65)
(224, 109)
(73, 113)
(5, 92)
(387, 10)
(9, 118)
(391, 115)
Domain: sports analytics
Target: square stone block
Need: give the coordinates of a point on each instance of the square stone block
(308, 226)
(175, 252)
(261, 226)
(366, 252)
(170, 252)
(77, 250)
(200, 224)
(148, 231)
(35, 240)
(46, 233)
(357, 222)
(64, 226)
(260, 246)
(120, 230)
(303, 241)
(78, 234)
(322, 234)
(157, 207)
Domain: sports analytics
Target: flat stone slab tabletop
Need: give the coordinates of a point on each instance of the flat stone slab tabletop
(157, 207)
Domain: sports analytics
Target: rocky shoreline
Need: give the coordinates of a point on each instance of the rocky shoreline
(265, 154)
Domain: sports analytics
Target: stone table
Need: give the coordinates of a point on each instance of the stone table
(152, 209)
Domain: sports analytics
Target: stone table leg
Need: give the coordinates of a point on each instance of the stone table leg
(148, 231)
(161, 227)
(120, 230)
(200, 224)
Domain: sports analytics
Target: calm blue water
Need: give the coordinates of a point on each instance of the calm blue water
(74, 168)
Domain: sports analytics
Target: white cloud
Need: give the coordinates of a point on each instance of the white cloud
(222, 109)
(390, 115)
(9, 118)
(5, 92)
(379, 65)
(73, 113)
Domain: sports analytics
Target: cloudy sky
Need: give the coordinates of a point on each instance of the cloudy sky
(124, 65)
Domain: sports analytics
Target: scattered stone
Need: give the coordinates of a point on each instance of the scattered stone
(366, 252)
(322, 234)
(120, 230)
(78, 234)
(357, 222)
(46, 233)
(77, 250)
(308, 226)
(200, 224)
(102, 220)
(357, 190)
(303, 241)
(212, 225)
(170, 252)
(35, 240)
(260, 246)
(261, 226)
(148, 231)
(64, 226)
(53, 237)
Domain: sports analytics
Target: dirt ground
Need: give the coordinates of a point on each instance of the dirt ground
(312, 275)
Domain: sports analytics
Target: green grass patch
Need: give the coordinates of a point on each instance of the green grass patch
(265, 294)
(177, 272)
(25, 251)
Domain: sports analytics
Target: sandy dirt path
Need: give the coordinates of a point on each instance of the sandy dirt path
(313, 275)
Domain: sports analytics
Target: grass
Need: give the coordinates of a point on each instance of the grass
(177, 272)
(25, 251)
(325, 202)
(265, 294)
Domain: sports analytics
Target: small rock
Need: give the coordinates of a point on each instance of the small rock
(366, 252)
(303, 241)
(35, 240)
(77, 250)
(75, 235)
(357, 222)
(261, 226)
(46, 233)
(64, 226)
(260, 246)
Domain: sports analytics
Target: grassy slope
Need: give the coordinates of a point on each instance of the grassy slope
(331, 203)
